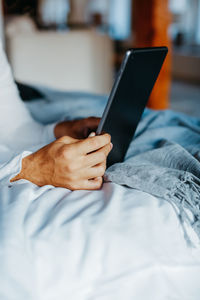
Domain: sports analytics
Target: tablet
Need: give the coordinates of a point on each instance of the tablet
(129, 96)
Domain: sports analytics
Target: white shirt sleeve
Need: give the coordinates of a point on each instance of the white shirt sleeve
(18, 130)
(11, 168)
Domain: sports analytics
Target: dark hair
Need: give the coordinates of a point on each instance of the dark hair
(21, 6)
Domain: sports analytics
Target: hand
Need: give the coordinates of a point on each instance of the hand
(69, 163)
(78, 129)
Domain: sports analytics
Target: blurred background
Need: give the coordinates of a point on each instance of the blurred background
(78, 45)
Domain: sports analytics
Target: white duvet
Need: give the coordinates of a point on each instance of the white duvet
(112, 244)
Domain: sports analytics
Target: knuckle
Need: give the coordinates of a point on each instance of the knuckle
(108, 137)
(72, 182)
(62, 139)
(107, 152)
(102, 156)
(67, 154)
(95, 143)
(72, 186)
(101, 170)
(109, 149)
(67, 140)
(99, 183)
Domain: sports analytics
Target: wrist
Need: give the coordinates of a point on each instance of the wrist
(22, 174)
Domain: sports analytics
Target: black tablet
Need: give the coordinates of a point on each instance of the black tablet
(135, 81)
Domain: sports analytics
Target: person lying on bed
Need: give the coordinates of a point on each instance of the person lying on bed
(68, 160)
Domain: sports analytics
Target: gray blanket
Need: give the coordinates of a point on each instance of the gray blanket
(163, 159)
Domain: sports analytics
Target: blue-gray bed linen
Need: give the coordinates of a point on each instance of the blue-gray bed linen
(163, 159)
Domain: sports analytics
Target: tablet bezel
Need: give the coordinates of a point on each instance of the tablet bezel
(128, 58)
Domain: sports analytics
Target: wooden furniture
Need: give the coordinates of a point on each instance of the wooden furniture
(151, 20)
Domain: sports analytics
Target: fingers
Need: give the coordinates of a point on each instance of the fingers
(94, 184)
(92, 122)
(93, 143)
(97, 157)
(93, 172)
(84, 160)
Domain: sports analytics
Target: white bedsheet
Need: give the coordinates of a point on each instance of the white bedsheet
(112, 244)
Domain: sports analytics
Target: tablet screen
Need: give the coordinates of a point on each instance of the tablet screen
(129, 97)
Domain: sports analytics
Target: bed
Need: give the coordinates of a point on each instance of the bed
(120, 242)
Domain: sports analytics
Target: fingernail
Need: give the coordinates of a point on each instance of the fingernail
(92, 134)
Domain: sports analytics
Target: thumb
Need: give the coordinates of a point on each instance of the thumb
(92, 134)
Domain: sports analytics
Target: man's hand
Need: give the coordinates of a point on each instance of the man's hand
(69, 163)
(78, 129)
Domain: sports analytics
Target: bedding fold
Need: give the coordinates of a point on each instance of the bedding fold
(163, 159)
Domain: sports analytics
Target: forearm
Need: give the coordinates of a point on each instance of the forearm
(69, 163)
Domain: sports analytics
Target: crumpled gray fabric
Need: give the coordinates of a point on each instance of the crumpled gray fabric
(162, 160)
